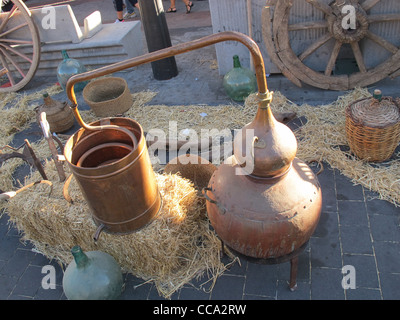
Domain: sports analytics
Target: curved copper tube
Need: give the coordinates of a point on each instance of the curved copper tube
(263, 96)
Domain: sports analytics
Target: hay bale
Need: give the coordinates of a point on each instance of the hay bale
(172, 250)
(192, 167)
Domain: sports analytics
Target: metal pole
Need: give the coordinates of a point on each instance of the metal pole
(157, 37)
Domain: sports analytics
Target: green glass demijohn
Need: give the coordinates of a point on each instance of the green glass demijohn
(239, 82)
(94, 275)
(68, 68)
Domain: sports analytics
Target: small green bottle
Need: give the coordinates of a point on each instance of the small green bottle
(68, 68)
(94, 275)
(377, 95)
(239, 82)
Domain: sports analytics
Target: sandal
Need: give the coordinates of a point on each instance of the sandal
(189, 6)
(171, 9)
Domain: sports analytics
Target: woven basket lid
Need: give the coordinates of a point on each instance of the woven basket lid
(376, 112)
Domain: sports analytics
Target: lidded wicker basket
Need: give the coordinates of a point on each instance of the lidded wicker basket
(373, 127)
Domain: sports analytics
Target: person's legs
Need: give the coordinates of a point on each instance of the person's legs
(172, 8)
(188, 4)
(119, 7)
(130, 10)
(130, 6)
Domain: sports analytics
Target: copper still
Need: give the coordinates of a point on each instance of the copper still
(113, 170)
(266, 203)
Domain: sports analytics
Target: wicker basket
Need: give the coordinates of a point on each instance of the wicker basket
(108, 96)
(373, 127)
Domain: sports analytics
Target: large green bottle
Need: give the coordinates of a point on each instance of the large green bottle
(68, 68)
(93, 275)
(239, 82)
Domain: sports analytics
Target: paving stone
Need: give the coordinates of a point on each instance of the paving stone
(18, 263)
(7, 284)
(135, 289)
(377, 206)
(387, 256)
(327, 180)
(385, 227)
(345, 189)
(261, 279)
(325, 252)
(228, 287)
(363, 294)
(303, 268)
(29, 283)
(328, 224)
(365, 270)
(50, 294)
(352, 213)
(326, 284)
(390, 283)
(302, 291)
(355, 239)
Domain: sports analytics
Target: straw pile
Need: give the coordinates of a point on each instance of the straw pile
(17, 113)
(323, 138)
(172, 250)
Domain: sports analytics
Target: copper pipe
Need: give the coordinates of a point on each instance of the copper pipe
(169, 52)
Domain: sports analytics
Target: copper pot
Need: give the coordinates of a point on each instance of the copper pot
(264, 218)
(265, 204)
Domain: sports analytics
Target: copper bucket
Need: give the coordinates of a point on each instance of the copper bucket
(114, 173)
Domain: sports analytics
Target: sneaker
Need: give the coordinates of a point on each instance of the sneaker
(130, 15)
(118, 21)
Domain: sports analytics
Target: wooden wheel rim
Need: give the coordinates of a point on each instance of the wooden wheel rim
(276, 29)
(11, 54)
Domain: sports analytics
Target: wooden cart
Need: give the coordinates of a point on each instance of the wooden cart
(19, 46)
(324, 21)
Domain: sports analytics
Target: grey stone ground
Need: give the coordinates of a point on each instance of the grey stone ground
(355, 228)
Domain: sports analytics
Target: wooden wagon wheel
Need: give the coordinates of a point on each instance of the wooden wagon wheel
(19, 46)
(276, 28)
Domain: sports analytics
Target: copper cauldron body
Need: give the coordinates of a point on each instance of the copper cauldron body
(114, 174)
(264, 218)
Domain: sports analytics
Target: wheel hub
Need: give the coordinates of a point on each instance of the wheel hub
(349, 35)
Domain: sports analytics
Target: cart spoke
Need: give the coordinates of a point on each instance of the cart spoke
(332, 59)
(308, 25)
(5, 65)
(14, 63)
(358, 55)
(319, 43)
(382, 42)
(321, 6)
(368, 4)
(23, 56)
(17, 41)
(384, 17)
(7, 17)
(13, 29)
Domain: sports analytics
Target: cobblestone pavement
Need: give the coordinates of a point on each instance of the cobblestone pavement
(355, 228)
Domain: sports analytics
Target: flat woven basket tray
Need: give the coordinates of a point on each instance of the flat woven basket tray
(373, 128)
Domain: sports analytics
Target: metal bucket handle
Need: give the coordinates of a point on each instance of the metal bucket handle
(263, 95)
